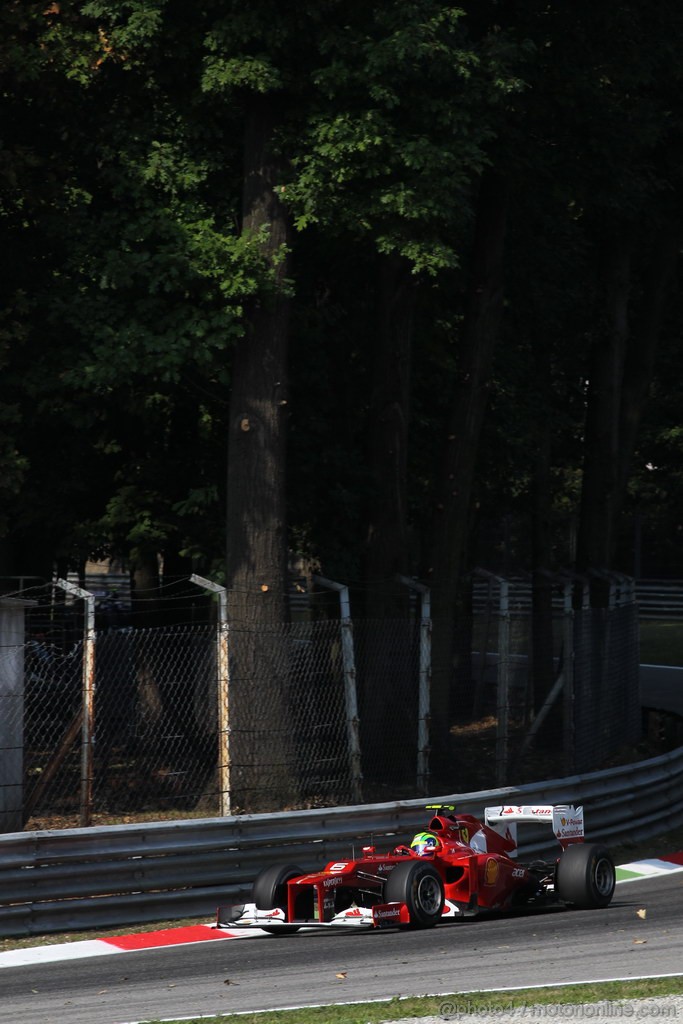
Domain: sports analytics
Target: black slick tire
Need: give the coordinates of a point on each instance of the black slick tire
(585, 876)
(419, 886)
(270, 892)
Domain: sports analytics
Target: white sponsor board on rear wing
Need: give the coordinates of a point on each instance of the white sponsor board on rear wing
(567, 821)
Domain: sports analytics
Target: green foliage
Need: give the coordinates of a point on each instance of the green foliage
(397, 134)
(121, 191)
(239, 72)
(129, 29)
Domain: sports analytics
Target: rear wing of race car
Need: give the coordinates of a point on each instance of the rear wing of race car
(567, 821)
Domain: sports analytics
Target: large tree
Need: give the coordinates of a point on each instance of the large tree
(207, 205)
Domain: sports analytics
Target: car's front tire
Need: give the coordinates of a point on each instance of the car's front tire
(585, 876)
(419, 886)
(270, 892)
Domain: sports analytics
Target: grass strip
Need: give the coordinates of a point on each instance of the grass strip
(459, 1004)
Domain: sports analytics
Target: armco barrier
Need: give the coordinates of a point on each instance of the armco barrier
(124, 874)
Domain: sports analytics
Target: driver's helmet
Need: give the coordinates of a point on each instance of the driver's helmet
(425, 843)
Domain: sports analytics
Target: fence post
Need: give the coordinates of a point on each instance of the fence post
(12, 712)
(223, 694)
(424, 690)
(88, 725)
(351, 697)
(503, 689)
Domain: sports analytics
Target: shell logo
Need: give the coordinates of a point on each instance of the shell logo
(491, 871)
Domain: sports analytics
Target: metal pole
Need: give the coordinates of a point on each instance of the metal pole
(88, 686)
(424, 687)
(223, 691)
(349, 668)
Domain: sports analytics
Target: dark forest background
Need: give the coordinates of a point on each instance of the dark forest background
(375, 289)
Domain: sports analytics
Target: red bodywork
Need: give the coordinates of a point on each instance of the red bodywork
(472, 870)
(472, 881)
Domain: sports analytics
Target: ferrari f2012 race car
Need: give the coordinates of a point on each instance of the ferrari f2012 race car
(458, 867)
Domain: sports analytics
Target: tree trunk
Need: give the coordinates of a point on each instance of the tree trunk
(641, 351)
(256, 515)
(620, 376)
(453, 506)
(144, 572)
(602, 438)
(387, 537)
(387, 674)
(256, 560)
(542, 664)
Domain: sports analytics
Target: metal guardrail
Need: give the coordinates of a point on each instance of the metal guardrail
(660, 599)
(657, 599)
(125, 874)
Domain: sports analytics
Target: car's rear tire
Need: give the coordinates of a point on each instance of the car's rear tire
(585, 876)
(270, 892)
(419, 886)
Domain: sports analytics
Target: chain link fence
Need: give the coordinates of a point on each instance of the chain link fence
(554, 672)
(151, 749)
(209, 718)
(292, 732)
(606, 707)
(156, 701)
(294, 741)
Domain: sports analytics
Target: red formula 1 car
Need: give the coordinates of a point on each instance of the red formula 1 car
(459, 866)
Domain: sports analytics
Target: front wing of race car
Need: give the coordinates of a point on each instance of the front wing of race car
(247, 915)
(383, 915)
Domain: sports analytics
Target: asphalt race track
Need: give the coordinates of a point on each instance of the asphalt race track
(224, 976)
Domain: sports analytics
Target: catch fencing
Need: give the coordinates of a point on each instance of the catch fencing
(553, 669)
(203, 719)
(156, 741)
(122, 723)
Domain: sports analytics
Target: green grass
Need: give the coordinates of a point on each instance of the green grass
(661, 643)
(459, 1004)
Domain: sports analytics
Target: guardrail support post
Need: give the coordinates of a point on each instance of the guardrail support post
(223, 694)
(349, 668)
(424, 690)
(88, 685)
